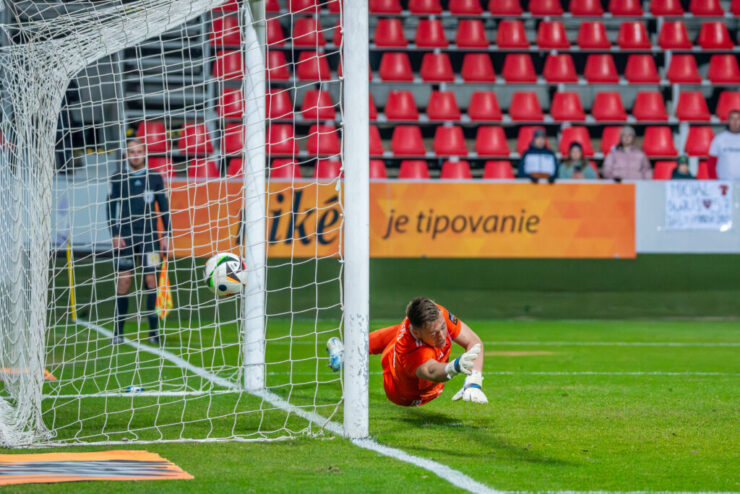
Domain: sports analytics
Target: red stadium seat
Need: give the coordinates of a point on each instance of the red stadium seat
(703, 172)
(735, 7)
(443, 106)
(395, 67)
(228, 65)
(560, 68)
(449, 141)
(154, 136)
(586, 8)
(377, 169)
(728, 100)
(233, 140)
(277, 66)
(524, 139)
(384, 6)
(304, 6)
(477, 67)
(282, 169)
(465, 7)
(430, 34)
(525, 107)
(501, 8)
(327, 169)
(231, 103)
(312, 66)
(337, 36)
(376, 144)
(663, 170)
(518, 67)
(633, 36)
(278, 105)
(335, 6)
(280, 139)
(592, 36)
(317, 105)
(407, 141)
(543, 8)
(456, 170)
(608, 107)
(195, 139)
(491, 141)
(698, 141)
(609, 138)
(511, 34)
(225, 31)
(723, 69)
(400, 105)
(471, 33)
(580, 135)
(683, 69)
(673, 36)
(498, 170)
(307, 33)
(413, 170)
(274, 32)
(425, 7)
(625, 8)
(203, 168)
(373, 110)
(658, 141)
(271, 6)
(715, 36)
(323, 140)
(706, 8)
(649, 106)
(666, 7)
(641, 69)
(484, 106)
(692, 106)
(228, 6)
(600, 69)
(566, 107)
(162, 165)
(436, 67)
(389, 33)
(551, 36)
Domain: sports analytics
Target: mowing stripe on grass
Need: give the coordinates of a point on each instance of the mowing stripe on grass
(718, 344)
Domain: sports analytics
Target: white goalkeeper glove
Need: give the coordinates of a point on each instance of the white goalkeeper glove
(463, 363)
(472, 391)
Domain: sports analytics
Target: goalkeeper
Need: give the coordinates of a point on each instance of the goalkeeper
(416, 354)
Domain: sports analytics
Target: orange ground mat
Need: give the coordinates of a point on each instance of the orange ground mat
(47, 468)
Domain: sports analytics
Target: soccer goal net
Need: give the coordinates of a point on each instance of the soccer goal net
(138, 139)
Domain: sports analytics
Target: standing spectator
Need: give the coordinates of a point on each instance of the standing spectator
(538, 161)
(724, 152)
(681, 172)
(626, 161)
(575, 165)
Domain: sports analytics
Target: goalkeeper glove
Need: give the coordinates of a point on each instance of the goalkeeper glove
(472, 391)
(463, 363)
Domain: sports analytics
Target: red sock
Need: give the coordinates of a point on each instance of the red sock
(381, 338)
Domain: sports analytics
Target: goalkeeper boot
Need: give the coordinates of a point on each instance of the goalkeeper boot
(335, 349)
(117, 339)
(154, 337)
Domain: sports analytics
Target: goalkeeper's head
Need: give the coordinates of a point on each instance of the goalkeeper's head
(427, 322)
(136, 154)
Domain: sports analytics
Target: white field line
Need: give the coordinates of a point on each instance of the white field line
(444, 472)
(566, 373)
(688, 344)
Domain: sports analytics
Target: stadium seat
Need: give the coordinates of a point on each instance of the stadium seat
(663, 170)
(312, 66)
(373, 110)
(666, 7)
(271, 6)
(307, 33)
(203, 168)
(641, 69)
(449, 141)
(425, 7)
(683, 70)
(162, 165)
(277, 66)
(609, 138)
(154, 136)
(511, 34)
(389, 33)
(673, 36)
(225, 31)
(231, 103)
(633, 36)
(692, 106)
(376, 144)
(698, 141)
(228, 6)
(518, 67)
(384, 6)
(228, 65)
(477, 67)
(377, 169)
(195, 139)
(723, 69)
(580, 135)
(649, 106)
(706, 8)
(395, 67)
(335, 6)
(280, 139)
(608, 107)
(465, 7)
(303, 6)
(327, 169)
(525, 107)
(400, 105)
(407, 141)
(551, 36)
(337, 36)
(413, 169)
(484, 106)
(559, 68)
(281, 169)
(491, 141)
(471, 33)
(500, 8)
(317, 105)
(323, 140)
(274, 32)
(592, 36)
(658, 141)
(524, 139)
(735, 7)
(278, 105)
(430, 34)
(703, 172)
(233, 139)
(728, 100)
(566, 106)
(586, 8)
(715, 36)
(436, 67)
(600, 69)
(456, 170)
(625, 8)
(498, 170)
(442, 105)
(543, 8)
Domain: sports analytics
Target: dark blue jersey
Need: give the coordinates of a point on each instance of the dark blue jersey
(131, 203)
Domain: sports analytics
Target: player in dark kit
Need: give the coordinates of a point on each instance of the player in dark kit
(133, 224)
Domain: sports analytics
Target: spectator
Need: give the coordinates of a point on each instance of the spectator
(681, 172)
(724, 152)
(538, 161)
(575, 165)
(626, 161)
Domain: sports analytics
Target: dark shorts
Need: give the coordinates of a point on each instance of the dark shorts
(145, 248)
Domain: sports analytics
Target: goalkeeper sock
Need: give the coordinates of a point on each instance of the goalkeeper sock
(121, 311)
(151, 303)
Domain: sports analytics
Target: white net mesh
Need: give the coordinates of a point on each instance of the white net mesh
(85, 86)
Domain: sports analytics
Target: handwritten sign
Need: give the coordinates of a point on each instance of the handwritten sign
(698, 205)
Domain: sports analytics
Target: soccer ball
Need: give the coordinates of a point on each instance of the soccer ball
(226, 274)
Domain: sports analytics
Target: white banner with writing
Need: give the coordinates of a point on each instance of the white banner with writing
(698, 205)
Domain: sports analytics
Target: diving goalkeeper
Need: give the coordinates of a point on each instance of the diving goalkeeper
(416, 354)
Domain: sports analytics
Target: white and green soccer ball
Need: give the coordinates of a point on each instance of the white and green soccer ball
(226, 274)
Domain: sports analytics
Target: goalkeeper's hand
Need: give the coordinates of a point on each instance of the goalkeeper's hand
(463, 363)
(472, 391)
